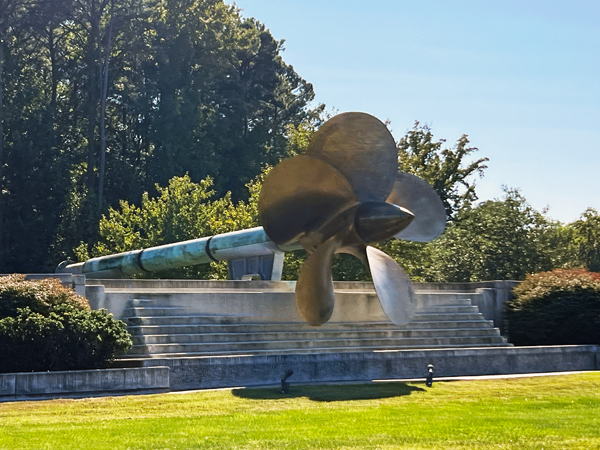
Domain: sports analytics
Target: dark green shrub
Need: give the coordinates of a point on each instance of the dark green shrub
(49, 327)
(555, 308)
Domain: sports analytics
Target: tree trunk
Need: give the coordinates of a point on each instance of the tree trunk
(2, 227)
(93, 41)
(103, 110)
(124, 135)
(1, 113)
(54, 88)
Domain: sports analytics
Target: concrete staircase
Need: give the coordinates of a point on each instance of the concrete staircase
(176, 325)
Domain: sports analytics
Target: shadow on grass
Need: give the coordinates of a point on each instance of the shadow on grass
(330, 393)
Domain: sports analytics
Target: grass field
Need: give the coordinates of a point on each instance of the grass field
(555, 412)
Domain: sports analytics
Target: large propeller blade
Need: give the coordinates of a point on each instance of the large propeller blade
(314, 289)
(361, 147)
(393, 287)
(416, 195)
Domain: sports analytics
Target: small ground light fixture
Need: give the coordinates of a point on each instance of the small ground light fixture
(285, 386)
(429, 379)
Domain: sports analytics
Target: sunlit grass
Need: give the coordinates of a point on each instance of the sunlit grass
(555, 412)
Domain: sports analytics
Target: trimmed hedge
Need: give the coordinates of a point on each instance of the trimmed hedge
(560, 307)
(46, 326)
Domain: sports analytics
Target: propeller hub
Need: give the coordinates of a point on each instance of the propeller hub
(377, 221)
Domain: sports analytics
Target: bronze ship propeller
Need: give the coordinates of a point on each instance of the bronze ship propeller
(344, 193)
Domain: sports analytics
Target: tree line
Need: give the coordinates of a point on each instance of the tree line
(100, 100)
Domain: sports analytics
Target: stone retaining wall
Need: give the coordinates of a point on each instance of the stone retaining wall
(83, 382)
(202, 373)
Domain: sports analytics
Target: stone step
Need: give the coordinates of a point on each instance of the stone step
(477, 323)
(161, 327)
(176, 311)
(308, 335)
(185, 319)
(452, 309)
(233, 347)
(142, 302)
(290, 351)
(201, 328)
(178, 329)
(263, 328)
(434, 316)
(429, 300)
(160, 319)
(154, 311)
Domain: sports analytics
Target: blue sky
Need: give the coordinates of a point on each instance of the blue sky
(520, 78)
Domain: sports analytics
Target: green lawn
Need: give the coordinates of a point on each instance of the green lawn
(554, 412)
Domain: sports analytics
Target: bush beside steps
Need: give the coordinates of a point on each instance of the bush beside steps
(561, 307)
(46, 326)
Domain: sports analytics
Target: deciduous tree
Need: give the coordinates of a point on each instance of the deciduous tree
(444, 168)
(496, 240)
(584, 241)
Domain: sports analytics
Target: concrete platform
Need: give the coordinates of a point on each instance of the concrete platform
(254, 370)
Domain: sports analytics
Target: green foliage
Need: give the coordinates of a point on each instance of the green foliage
(292, 263)
(226, 95)
(414, 257)
(348, 268)
(560, 307)
(299, 135)
(26, 342)
(585, 240)
(192, 87)
(496, 240)
(45, 326)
